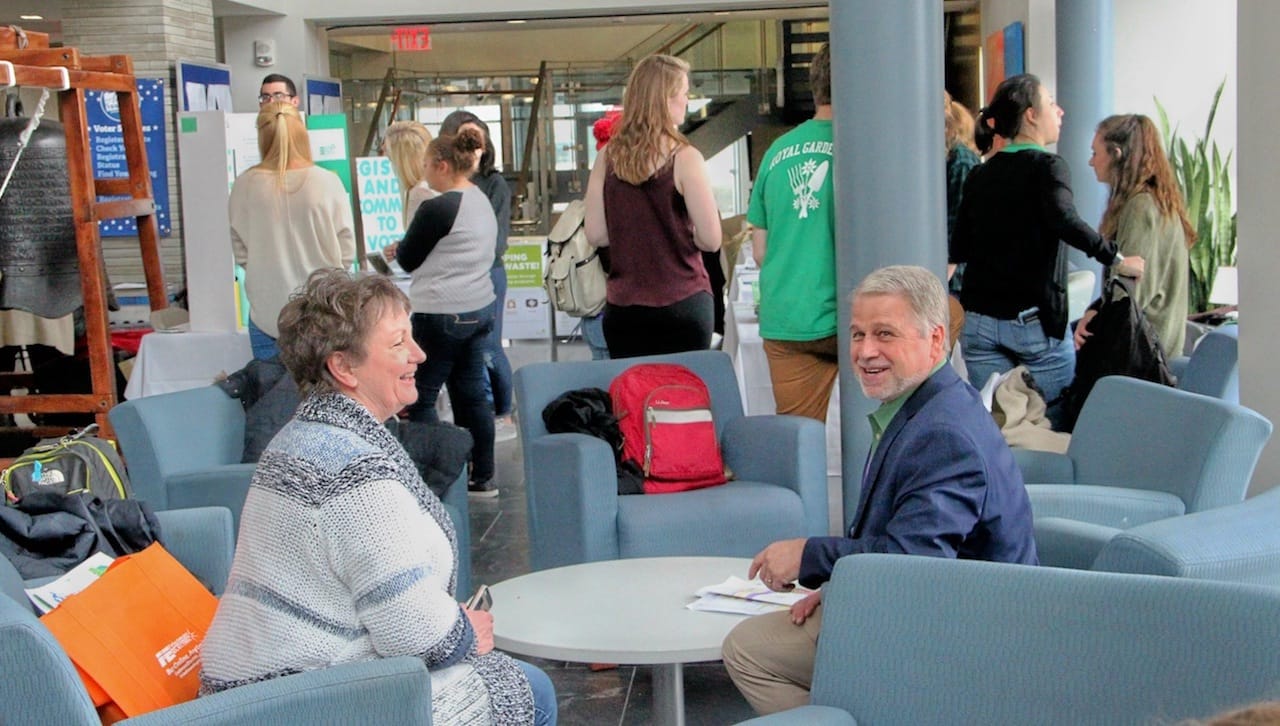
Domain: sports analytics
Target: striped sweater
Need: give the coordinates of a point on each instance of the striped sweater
(345, 555)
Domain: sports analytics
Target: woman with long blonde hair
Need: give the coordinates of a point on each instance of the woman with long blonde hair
(288, 218)
(405, 146)
(649, 200)
(1147, 217)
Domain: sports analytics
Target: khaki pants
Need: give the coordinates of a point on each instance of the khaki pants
(770, 660)
(802, 374)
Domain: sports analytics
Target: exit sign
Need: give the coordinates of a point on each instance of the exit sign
(414, 37)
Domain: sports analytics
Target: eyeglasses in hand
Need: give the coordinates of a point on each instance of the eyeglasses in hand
(277, 96)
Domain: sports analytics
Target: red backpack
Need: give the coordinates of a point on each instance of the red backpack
(664, 412)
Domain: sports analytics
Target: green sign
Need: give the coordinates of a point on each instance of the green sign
(524, 266)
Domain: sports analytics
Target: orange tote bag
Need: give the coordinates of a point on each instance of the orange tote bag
(135, 634)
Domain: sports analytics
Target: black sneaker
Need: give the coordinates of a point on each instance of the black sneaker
(482, 489)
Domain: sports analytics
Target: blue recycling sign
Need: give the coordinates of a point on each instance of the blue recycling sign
(106, 147)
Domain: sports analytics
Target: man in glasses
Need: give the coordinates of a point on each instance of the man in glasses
(277, 87)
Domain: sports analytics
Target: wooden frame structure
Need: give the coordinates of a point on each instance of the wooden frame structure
(27, 60)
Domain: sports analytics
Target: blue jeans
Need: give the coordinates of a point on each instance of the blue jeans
(593, 335)
(991, 345)
(545, 709)
(498, 380)
(454, 344)
(264, 346)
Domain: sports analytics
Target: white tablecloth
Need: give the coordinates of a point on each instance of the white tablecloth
(169, 362)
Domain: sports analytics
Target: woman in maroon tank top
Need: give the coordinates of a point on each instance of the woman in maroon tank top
(649, 201)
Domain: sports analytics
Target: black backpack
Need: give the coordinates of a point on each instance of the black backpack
(75, 463)
(1122, 343)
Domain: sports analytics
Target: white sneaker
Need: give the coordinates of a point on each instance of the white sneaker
(504, 429)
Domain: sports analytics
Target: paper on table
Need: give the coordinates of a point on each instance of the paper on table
(47, 597)
(748, 597)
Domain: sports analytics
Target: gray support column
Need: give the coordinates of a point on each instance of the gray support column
(1258, 160)
(1086, 64)
(886, 65)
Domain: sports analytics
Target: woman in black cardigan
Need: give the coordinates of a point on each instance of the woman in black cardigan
(1016, 213)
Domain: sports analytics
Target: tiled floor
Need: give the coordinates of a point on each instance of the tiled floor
(500, 550)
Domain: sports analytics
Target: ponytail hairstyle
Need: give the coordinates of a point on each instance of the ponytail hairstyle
(1004, 114)
(282, 138)
(958, 123)
(1137, 164)
(646, 137)
(458, 151)
(406, 147)
(456, 120)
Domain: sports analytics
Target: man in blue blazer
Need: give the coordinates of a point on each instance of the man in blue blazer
(940, 481)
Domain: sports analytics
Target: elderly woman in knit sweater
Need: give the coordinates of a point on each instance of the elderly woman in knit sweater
(344, 553)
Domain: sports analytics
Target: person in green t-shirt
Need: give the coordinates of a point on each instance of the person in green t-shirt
(793, 243)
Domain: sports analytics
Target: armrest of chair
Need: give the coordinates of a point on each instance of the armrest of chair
(572, 489)
(202, 540)
(805, 716)
(1111, 506)
(383, 691)
(1178, 366)
(1044, 467)
(219, 486)
(1069, 543)
(1239, 543)
(789, 451)
(455, 502)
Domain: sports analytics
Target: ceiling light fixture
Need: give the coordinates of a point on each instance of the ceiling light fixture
(517, 22)
(31, 17)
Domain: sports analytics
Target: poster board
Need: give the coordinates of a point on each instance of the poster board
(203, 85)
(381, 208)
(107, 156)
(527, 315)
(328, 134)
(321, 96)
(206, 167)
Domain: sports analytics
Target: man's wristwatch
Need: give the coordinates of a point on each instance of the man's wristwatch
(1119, 260)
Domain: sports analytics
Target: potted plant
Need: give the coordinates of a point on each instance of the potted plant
(1203, 175)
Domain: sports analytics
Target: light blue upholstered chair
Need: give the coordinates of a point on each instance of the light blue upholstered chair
(922, 640)
(1213, 368)
(1142, 452)
(576, 515)
(1235, 543)
(40, 685)
(183, 450)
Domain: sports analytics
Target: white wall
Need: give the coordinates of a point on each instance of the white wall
(1259, 169)
(1178, 51)
(301, 49)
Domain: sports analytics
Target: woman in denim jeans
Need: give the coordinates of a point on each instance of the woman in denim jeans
(491, 182)
(1015, 216)
(449, 249)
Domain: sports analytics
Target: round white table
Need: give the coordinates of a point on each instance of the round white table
(619, 611)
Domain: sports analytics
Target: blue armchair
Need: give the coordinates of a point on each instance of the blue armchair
(41, 685)
(184, 449)
(1143, 452)
(1213, 368)
(921, 640)
(1236, 543)
(576, 515)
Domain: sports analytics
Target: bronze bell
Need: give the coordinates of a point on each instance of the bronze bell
(39, 269)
